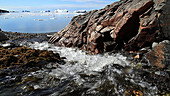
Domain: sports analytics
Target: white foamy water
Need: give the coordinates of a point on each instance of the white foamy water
(79, 63)
(78, 60)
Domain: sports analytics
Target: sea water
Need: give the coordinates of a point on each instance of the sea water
(35, 22)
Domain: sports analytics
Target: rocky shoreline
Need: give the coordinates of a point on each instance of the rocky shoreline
(135, 29)
(27, 36)
(25, 60)
(131, 25)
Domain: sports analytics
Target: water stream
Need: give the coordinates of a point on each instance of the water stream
(81, 75)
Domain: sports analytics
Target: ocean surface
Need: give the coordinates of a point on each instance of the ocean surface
(35, 22)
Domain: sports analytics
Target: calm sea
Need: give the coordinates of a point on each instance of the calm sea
(34, 22)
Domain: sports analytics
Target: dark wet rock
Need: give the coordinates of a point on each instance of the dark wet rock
(23, 56)
(129, 24)
(2, 36)
(161, 81)
(16, 37)
(159, 55)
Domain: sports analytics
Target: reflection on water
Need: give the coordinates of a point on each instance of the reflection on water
(34, 22)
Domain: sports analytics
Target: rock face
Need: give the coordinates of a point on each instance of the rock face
(129, 24)
(160, 56)
(2, 36)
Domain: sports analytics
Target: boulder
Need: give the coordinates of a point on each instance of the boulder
(159, 55)
(128, 24)
(3, 36)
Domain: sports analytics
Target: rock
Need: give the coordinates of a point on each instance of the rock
(108, 46)
(95, 36)
(154, 44)
(130, 24)
(131, 51)
(99, 27)
(160, 54)
(3, 36)
(106, 29)
(133, 92)
(137, 56)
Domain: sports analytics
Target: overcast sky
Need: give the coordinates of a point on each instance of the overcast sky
(70, 5)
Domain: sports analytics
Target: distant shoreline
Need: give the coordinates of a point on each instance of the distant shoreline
(18, 37)
(3, 11)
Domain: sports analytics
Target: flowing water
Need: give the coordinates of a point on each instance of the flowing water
(81, 75)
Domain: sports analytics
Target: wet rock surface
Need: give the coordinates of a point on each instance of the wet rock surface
(160, 54)
(17, 37)
(2, 36)
(128, 24)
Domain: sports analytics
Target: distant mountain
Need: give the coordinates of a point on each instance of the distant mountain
(3, 11)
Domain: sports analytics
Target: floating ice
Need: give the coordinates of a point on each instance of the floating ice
(41, 19)
(6, 18)
(52, 18)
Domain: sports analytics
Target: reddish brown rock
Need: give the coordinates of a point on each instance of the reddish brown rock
(99, 27)
(129, 24)
(159, 56)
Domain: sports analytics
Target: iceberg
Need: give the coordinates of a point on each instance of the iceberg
(61, 11)
(80, 11)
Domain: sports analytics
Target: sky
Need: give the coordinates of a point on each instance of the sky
(38, 5)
